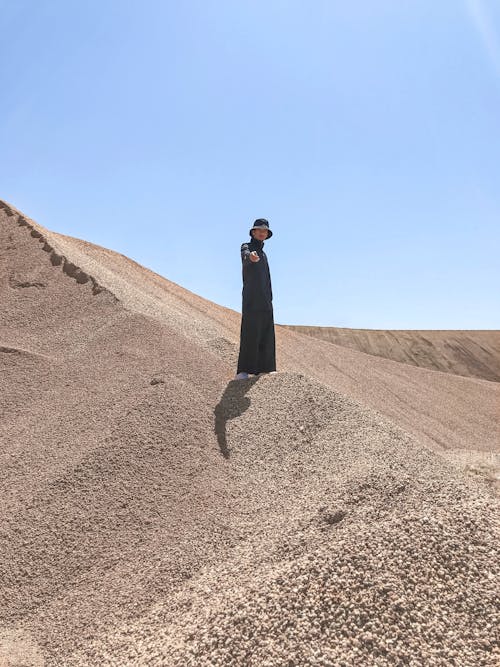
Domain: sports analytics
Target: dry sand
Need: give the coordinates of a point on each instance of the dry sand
(472, 353)
(156, 512)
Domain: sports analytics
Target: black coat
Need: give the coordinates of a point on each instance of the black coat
(257, 293)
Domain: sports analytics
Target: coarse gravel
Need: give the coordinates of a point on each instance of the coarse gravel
(153, 514)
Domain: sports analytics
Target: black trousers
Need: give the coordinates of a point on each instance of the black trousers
(257, 342)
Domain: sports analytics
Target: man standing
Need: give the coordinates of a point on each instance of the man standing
(257, 342)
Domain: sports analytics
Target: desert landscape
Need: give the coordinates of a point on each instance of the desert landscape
(470, 353)
(155, 511)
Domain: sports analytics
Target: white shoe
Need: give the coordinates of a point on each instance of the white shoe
(242, 376)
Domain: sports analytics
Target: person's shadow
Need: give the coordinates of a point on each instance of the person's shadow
(233, 403)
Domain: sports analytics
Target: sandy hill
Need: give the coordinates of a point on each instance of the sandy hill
(156, 512)
(468, 353)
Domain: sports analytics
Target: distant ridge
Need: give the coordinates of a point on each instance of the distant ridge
(471, 353)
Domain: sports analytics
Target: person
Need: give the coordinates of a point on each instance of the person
(257, 341)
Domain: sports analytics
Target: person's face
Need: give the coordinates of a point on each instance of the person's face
(260, 234)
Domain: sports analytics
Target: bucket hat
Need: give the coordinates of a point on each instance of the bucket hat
(261, 223)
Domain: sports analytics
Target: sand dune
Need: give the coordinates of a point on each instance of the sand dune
(468, 353)
(156, 514)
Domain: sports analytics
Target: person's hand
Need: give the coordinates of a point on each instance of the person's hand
(254, 256)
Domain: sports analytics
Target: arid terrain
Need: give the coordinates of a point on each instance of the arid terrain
(468, 353)
(155, 511)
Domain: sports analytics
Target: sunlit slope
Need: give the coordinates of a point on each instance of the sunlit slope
(471, 353)
(441, 409)
(154, 511)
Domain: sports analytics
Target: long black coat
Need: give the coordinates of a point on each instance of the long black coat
(257, 341)
(257, 293)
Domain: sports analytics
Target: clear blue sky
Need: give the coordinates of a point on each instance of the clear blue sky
(368, 133)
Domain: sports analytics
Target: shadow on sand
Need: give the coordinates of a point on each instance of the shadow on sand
(233, 403)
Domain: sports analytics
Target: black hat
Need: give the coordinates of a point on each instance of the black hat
(261, 223)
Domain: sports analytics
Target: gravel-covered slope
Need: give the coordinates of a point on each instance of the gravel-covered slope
(155, 512)
(444, 411)
(355, 546)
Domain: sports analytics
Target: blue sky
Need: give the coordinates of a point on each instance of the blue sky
(367, 133)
